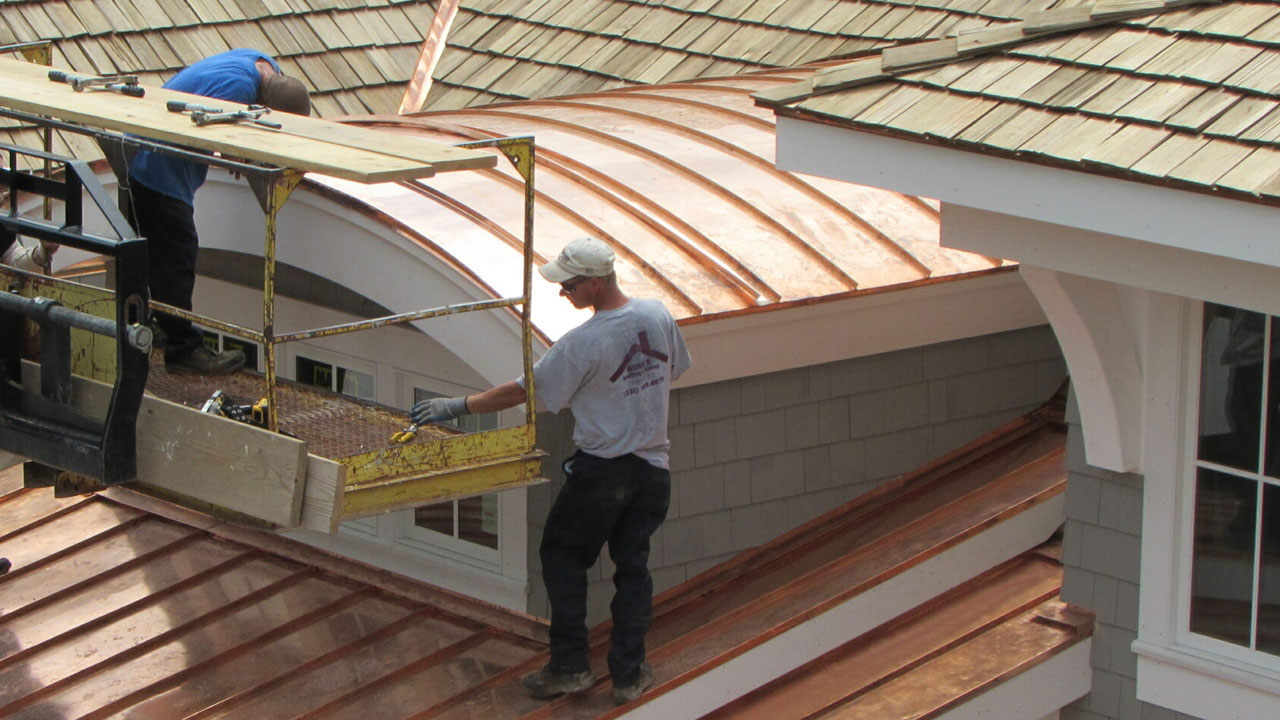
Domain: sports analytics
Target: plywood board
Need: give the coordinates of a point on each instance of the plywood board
(307, 144)
(322, 498)
(212, 460)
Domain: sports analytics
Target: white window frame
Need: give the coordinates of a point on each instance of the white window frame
(255, 360)
(1178, 669)
(398, 530)
(336, 360)
(408, 532)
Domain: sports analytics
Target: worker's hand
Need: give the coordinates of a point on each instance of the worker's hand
(44, 255)
(438, 410)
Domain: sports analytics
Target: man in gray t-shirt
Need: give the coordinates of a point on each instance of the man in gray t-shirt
(614, 373)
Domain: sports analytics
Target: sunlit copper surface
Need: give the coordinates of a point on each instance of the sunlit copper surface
(123, 606)
(114, 610)
(680, 180)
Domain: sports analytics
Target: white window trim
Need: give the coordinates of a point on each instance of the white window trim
(1177, 669)
(409, 533)
(333, 358)
(507, 587)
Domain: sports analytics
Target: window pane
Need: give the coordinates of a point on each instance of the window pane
(312, 372)
(1269, 593)
(249, 349)
(438, 517)
(1222, 560)
(478, 520)
(1231, 387)
(356, 383)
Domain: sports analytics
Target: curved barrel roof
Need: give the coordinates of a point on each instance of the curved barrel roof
(680, 180)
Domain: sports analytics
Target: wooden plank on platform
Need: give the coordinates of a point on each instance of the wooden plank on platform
(307, 144)
(322, 498)
(214, 461)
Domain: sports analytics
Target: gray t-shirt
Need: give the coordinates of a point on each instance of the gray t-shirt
(614, 373)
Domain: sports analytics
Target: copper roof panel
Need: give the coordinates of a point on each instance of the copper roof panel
(681, 180)
(132, 607)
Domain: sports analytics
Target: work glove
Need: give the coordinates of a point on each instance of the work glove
(438, 410)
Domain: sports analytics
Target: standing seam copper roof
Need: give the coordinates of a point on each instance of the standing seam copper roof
(120, 604)
(680, 180)
(1181, 96)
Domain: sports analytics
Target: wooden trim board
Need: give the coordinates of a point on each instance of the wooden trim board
(307, 144)
(210, 459)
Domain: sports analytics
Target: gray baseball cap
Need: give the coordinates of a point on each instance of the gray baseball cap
(584, 257)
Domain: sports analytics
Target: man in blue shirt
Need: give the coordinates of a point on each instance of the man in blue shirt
(162, 191)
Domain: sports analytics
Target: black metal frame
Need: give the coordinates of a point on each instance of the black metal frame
(44, 426)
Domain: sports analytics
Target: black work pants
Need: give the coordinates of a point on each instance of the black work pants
(621, 501)
(172, 244)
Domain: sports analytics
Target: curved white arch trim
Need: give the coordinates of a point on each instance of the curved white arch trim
(1088, 317)
(372, 259)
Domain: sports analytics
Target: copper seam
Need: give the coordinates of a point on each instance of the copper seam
(74, 548)
(577, 219)
(157, 641)
(230, 654)
(574, 172)
(43, 520)
(103, 576)
(745, 289)
(792, 179)
(432, 659)
(316, 663)
(151, 599)
(678, 169)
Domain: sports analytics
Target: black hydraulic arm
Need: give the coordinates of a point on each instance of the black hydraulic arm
(44, 425)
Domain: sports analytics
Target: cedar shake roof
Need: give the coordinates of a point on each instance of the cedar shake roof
(358, 56)
(1175, 93)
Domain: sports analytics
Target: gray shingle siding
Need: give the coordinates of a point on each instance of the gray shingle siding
(754, 457)
(1100, 555)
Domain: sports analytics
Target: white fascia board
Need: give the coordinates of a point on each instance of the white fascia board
(1175, 218)
(810, 334)
(1113, 258)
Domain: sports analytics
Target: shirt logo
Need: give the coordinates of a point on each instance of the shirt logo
(639, 348)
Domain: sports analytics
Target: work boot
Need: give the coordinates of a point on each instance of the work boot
(5, 565)
(202, 361)
(623, 694)
(547, 683)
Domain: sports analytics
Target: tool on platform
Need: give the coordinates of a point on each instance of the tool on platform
(405, 435)
(220, 404)
(204, 115)
(123, 84)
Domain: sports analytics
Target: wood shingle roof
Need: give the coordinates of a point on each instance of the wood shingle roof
(359, 55)
(1182, 96)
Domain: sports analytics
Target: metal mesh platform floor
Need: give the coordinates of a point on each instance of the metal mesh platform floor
(335, 426)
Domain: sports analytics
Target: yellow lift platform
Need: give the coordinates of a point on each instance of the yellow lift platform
(319, 458)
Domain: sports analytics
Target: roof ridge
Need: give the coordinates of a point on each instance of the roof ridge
(918, 55)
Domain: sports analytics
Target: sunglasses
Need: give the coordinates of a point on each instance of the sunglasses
(570, 285)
